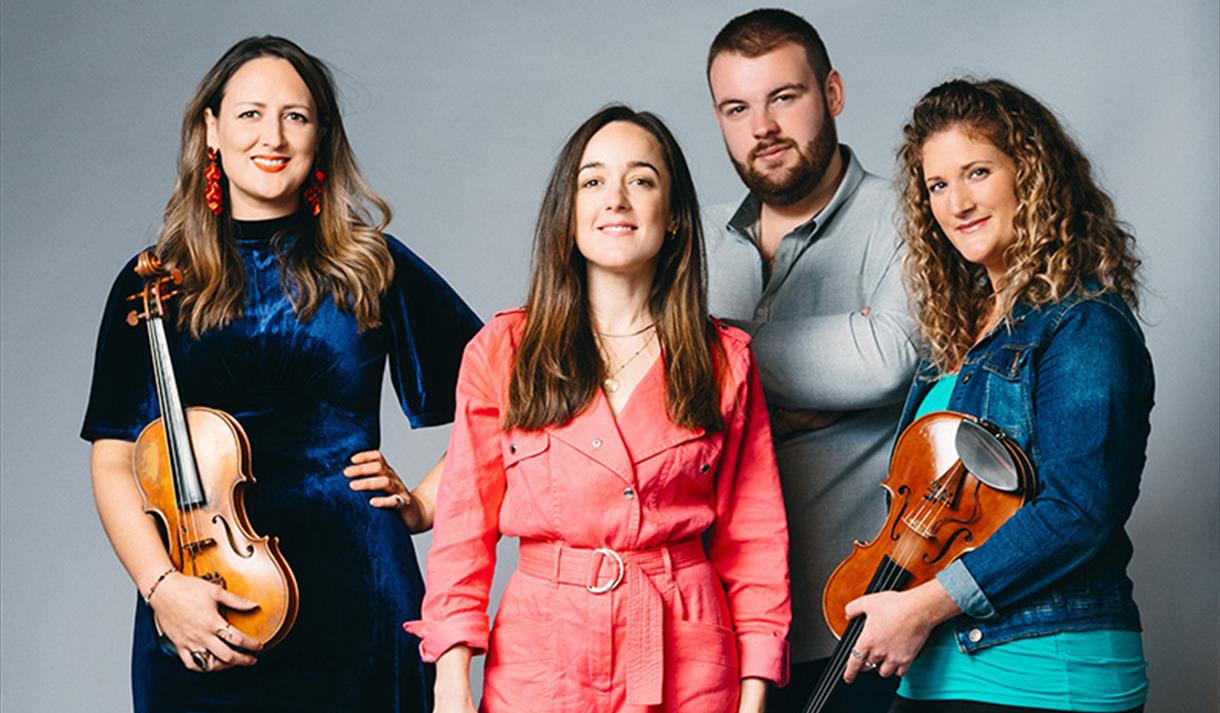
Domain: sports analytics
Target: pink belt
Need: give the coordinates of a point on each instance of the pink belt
(602, 570)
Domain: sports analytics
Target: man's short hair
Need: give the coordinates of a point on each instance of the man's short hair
(760, 31)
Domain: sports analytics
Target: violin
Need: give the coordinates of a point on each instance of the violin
(192, 467)
(953, 480)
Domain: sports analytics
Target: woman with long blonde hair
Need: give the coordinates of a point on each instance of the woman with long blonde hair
(1025, 284)
(293, 299)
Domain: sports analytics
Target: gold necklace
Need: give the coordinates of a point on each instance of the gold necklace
(610, 383)
(636, 333)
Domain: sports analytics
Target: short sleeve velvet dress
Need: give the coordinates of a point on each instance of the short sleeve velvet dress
(307, 394)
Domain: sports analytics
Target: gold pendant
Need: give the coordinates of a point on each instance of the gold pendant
(611, 385)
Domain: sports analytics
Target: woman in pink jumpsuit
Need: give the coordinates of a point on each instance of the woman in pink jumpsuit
(653, 570)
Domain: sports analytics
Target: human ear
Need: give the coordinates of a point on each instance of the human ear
(210, 123)
(834, 93)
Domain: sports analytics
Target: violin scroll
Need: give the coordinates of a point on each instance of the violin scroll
(156, 290)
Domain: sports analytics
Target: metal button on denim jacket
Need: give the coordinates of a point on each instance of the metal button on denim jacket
(1071, 382)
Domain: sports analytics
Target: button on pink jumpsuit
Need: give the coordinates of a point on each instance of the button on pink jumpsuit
(696, 517)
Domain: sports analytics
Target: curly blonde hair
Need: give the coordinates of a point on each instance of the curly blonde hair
(1068, 238)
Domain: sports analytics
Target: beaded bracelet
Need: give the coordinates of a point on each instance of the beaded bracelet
(153, 589)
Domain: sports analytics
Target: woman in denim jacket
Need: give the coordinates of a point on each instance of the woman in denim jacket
(1024, 282)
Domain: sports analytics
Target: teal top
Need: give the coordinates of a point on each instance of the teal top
(1099, 671)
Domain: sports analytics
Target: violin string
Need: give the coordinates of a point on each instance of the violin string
(890, 574)
(188, 518)
(162, 398)
(189, 527)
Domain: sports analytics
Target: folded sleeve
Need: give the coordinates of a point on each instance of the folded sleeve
(466, 526)
(749, 541)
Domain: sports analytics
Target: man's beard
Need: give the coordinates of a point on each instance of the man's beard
(798, 182)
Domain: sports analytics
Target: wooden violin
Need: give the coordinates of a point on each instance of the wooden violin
(953, 481)
(192, 466)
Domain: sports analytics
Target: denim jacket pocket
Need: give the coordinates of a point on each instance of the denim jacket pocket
(1007, 402)
(1007, 361)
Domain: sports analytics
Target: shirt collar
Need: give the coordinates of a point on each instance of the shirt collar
(746, 217)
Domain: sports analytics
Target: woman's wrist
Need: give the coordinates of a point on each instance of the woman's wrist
(935, 603)
(753, 695)
(453, 667)
(153, 583)
(417, 515)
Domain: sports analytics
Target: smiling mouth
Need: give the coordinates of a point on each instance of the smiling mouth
(972, 225)
(270, 164)
(617, 229)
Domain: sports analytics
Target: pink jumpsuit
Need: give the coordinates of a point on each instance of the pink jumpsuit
(688, 592)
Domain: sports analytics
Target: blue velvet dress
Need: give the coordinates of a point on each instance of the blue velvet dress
(307, 394)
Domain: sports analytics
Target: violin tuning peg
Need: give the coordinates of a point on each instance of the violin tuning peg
(176, 275)
(133, 318)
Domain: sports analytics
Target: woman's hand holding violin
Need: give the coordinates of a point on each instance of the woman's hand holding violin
(187, 609)
(897, 626)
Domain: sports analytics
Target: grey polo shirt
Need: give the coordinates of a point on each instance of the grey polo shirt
(831, 332)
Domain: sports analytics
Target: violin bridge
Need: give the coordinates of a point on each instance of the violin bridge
(924, 529)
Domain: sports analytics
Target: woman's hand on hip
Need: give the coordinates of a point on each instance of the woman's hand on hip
(370, 471)
(897, 625)
(187, 610)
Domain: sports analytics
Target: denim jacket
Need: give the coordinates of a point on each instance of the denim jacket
(1071, 383)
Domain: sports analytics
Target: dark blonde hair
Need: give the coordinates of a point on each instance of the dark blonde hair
(344, 258)
(558, 368)
(1068, 238)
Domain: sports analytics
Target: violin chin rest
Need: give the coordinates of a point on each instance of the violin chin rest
(985, 457)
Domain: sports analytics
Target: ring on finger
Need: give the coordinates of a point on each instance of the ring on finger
(857, 655)
(870, 665)
(399, 501)
(202, 659)
(222, 632)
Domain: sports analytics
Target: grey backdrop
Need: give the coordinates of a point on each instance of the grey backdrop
(456, 112)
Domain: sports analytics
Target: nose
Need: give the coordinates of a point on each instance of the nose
(960, 201)
(616, 198)
(272, 132)
(762, 123)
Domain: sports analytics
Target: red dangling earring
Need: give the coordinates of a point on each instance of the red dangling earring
(211, 189)
(313, 192)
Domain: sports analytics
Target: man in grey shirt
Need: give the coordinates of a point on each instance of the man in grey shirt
(809, 264)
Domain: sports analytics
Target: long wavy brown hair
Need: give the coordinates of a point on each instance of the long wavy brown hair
(344, 257)
(558, 367)
(1068, 236)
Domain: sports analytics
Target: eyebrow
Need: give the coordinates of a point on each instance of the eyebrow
(963, 167)
(790, 87)
(263, 105)
(631, 164)
(793, 87)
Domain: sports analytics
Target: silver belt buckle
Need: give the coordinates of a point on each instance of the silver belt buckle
(618, 577)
